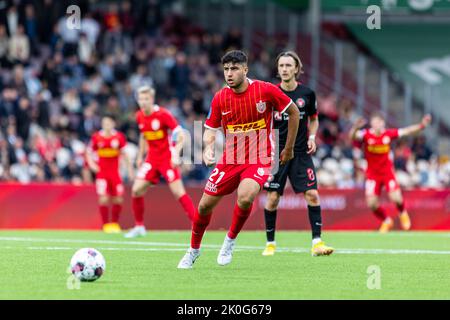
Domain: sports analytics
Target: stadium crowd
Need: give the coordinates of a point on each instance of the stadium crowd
(56, 82)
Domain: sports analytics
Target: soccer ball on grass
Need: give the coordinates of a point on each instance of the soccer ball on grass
(87, 264)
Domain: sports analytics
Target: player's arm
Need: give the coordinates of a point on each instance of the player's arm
(128, 163)
(212, 124)
(415, 128)
(355, 132)
(209, 140)
(90, 160)
(176, 151)
(313, 127)
(294, 117)
(142, 150)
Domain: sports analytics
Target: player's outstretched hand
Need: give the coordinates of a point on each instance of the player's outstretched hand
(360, 122)
(286, 155)
(426, 120)
(208, 157)
(312, 147)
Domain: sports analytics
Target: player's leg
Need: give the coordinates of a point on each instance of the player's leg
(270, 218)
(373, 202)
(173, 177)
(319, 248)
(116, 209)
(275, 188)
(103, 205)
(200, 222)
(396, 196)
(146, 176)
(247, 191)
(223, 180)
(302, 175)
(101, 187)
(138, 191)
(116, 191)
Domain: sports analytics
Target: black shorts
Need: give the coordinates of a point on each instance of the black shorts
(301, 173)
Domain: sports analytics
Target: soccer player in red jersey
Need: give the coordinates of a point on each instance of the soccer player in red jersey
(162, 159)
(243, 109)
(107, 144)
(380, 168)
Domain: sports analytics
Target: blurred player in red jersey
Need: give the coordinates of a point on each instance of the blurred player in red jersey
(243, 110)
(108, 145)
(380, 168)
(162, 159)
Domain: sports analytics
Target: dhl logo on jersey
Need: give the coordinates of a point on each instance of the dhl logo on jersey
(257, 125)
(153, 135)
(108, 153)
(379, 149)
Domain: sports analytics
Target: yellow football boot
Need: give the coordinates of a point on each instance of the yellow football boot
(387, 225)
(405, 221)
(269, 250)
(321, 249)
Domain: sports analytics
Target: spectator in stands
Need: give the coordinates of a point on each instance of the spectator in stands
(19, 46)
(180, 76)
(420, 149)
(4, 46)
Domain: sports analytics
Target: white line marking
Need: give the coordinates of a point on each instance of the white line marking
(184, 246)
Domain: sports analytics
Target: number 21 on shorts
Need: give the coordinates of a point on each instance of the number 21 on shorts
(215, 173)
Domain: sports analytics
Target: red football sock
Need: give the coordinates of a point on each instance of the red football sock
(188, 205)
(138, 210)
(116, 210)
(239, 218)
(104, 212)
(380, 213)
(198, 229)
(401, 206)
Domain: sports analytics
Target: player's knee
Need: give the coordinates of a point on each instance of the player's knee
(103, 200)
(117, 200)
(372, 204)
(312, 197)
(273, 199)
(204, 208)
(245, 201)
(137, 190)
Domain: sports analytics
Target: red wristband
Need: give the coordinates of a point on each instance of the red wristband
(422, 126)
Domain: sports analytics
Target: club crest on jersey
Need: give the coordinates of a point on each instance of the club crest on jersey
(260, 171)
(300, 102)
(155, 124)
(386, 140)
(115, 143)
(261, 106)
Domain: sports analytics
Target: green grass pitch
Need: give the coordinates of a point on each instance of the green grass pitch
(414, 265)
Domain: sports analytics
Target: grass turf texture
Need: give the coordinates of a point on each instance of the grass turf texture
(33, 265)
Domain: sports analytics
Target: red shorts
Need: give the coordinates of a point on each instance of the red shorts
(374, 186)
(153, 171)
(225, 178)
(109, 186)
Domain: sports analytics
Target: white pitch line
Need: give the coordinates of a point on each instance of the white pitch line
(207, 247)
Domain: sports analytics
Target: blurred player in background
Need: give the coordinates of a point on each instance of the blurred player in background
(380, 168)
(104, 152)
(300, 170)
(243, 109)
(162, 159)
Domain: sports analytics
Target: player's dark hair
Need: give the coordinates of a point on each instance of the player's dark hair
(235, 56)
(378, 114)
(293, 55)
(109, 116)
